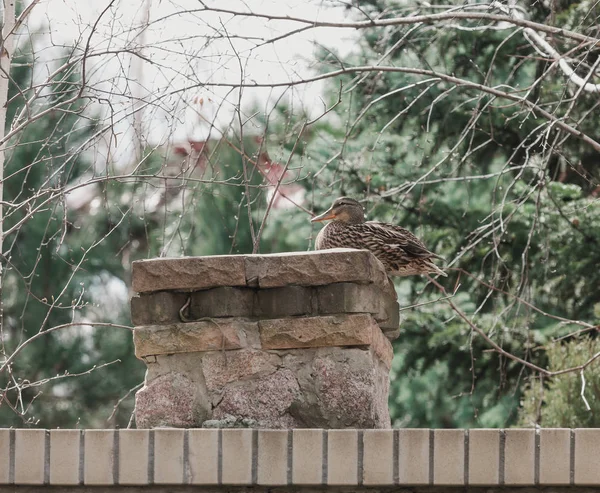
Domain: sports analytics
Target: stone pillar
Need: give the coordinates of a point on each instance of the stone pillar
(294, 340)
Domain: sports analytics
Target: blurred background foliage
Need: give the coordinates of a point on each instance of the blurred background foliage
(471, 175)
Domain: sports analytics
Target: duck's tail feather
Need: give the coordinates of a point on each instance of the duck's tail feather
(436, 269)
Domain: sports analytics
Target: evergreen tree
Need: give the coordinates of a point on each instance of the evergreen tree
(507, 211)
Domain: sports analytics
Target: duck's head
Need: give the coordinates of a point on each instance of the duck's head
(345, 210)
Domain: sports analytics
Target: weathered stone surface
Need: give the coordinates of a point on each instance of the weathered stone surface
(221, 334)
(346, 297)
(389, 318)
(352, 389)
(157, 308)
(188, 273)
(312, 388)
(328, 387)
(222, 302)
(275, 341)
(382, 347)
(170, 400)
(313, 268)
(224, 367)
(391, 335)
(164, 307)
(304, 332)
(284, 302)
(266, 400)
(188, 364)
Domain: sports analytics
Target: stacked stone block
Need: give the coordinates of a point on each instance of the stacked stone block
(296, 340)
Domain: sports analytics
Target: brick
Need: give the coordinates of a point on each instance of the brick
(188, 273)
(287, 301)
(413, 456)
(378, 457)
(237, 456)
(29, 456)
(345, 297)
(449, 457)
(227, 333)
(484, 457)
(133, 456)
(203, 456)
(157, 308)
(168, 456)
(342, 457)
(519, 457)
(98, 457)
(587, 471)
(330, 330)
(222, 302)
(555, 456)
(313, 268)
(307, 466)
(4, 455)
(382, 347)
(64, 457)
(272, 457)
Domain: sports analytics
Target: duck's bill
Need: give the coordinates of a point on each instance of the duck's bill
(323, 217)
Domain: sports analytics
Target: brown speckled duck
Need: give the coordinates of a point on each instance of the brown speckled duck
(400, 251)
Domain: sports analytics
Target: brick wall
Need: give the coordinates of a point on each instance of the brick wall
(286, 459)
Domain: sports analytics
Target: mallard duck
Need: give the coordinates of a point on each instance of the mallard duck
(400, 251)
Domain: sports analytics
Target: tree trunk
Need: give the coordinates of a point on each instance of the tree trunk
(6, 53)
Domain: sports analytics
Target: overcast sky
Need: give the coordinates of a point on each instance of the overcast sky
(187, 47)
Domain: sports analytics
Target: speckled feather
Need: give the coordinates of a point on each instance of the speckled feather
(400, 251)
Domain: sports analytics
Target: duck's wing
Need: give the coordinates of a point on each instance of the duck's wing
(393, 238)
